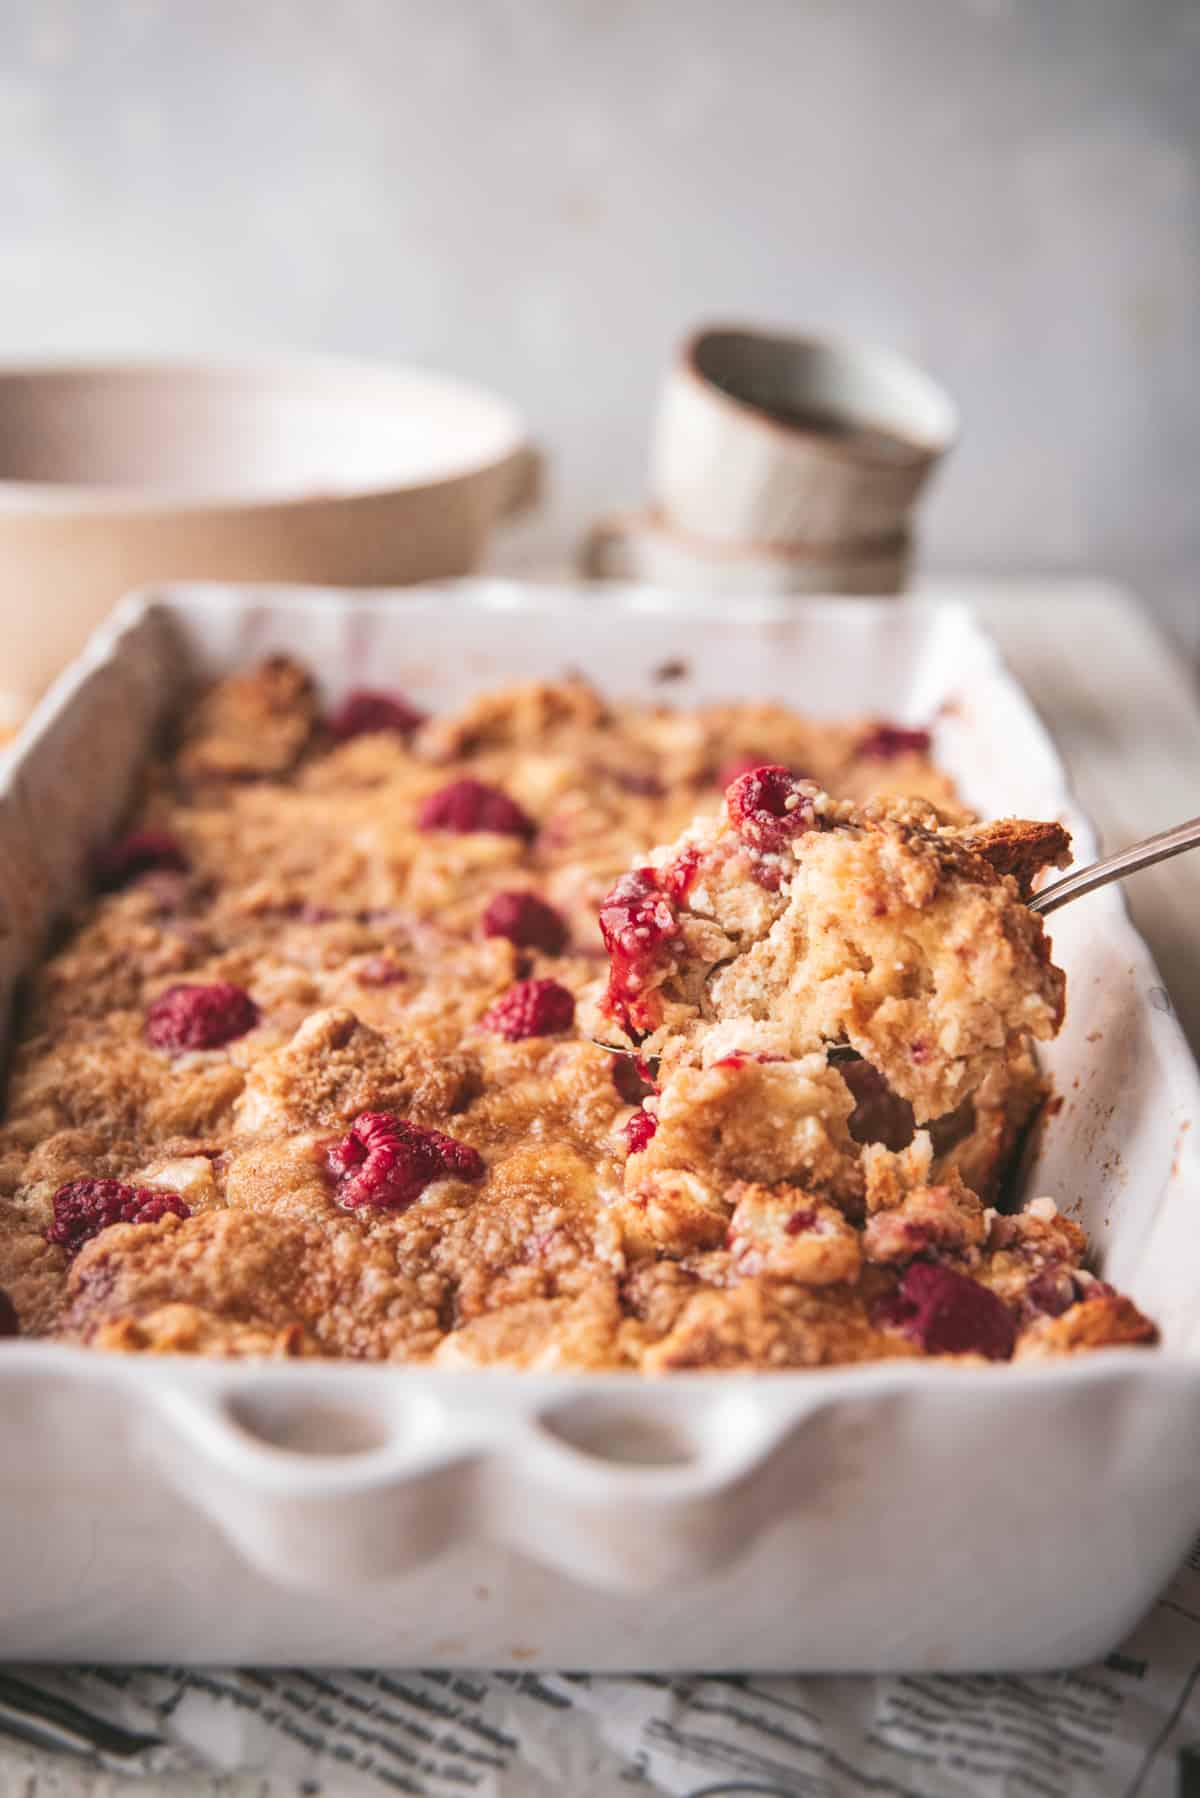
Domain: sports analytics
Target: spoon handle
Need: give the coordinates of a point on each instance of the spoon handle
(1115, 867)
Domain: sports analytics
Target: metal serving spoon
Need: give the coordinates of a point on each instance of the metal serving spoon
(1115, 867)
(1158, 848)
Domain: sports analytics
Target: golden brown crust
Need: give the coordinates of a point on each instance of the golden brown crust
(1021, 848)
(770, 1324)
(761, 1225)
(252, 724)
(944, 1220)
(1109, 1321)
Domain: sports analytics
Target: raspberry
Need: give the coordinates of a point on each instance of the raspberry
(638, 1131)
(386, 1163)
(770, 806)
(676, 879)
(366, 709)
(887, 741)
(747, 764)
(736, 767)
(1051, 1292)
(82, 1208)
(530, 1008)
(949, 1314)
(469, 805)
(200, 1017)
(801, 1221)
(140, 852)
(637, 922)
(526, 921)
(9, 1322)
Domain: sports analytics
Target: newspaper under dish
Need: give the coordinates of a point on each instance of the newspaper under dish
(1128, 1727)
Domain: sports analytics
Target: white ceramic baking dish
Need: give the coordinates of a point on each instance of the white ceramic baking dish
(884, 1517)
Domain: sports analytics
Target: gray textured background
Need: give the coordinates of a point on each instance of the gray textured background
(543, 193)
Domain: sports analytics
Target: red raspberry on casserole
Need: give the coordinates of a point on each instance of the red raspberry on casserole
(769, 806)
(530, 1008)
(472, 805)
(747, 764)
(733, 770)
(367, 710)
(887, 741)
(638, 923)
(678, 877)
(385, 1163)
(1053, 1291)
(200, 1017)
(82, 1208)
(525, 920)
(638, 1131)
(948, 1314)
(140, 852)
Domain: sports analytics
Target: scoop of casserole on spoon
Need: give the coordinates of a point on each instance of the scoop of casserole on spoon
(794, 922)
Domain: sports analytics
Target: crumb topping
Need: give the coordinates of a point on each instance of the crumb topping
(311, 1072)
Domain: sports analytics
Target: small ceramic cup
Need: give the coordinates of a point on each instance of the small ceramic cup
(640, 546)
(775, 442)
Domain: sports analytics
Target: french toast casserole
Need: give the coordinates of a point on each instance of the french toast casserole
(315, 1070)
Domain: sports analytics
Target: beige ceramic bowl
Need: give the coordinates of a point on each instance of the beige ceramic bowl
(774, 441)
(641, 546)
(326, 471)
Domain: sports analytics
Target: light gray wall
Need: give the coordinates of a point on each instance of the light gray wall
(543, 193)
